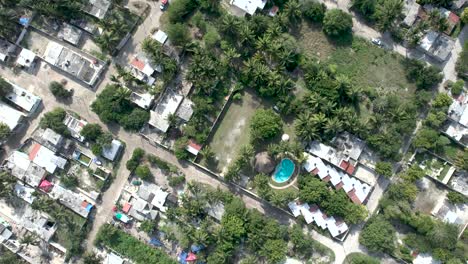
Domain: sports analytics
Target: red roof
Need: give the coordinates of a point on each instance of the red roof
(344, 164)
(352, 195)
(126, 208)
(339, 185)
(453, 18)
(36, 147)
(45, 185)
(138, 64)
(326, 179)
(313, 208)
(194, 145)
(350, 169)
(84, 204)
(191, 257)
(315, 171)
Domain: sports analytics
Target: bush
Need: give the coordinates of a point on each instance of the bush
(314, 11)
(456, 198)
(179, 9)
(96, 149)
(131, 247)
(4, 131)
(462, 62)
(176, 180)
(457, 87)
(143, 172)
(91, 132)
(135, 160)
(211, 38)
(178, 34)
(378, 235)
(135, 120)
(360, 258)
(337, 23)
(265, 124)
(69, 181)
(59, 91)
(424, 76)
(384, 169)
(5, 87)
(54, 120)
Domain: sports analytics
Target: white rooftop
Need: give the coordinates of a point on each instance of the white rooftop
(159, 199)
(25, 192)
(11, 117)
(112, 258)
(75, 126)
(249, 6)
(142, 100)
(52, 137)
(52, 52)
(23, 98)
(166, 107)
(160, 36)
(74, 201)
(46, 158)
(112, 151)
(26, 58)
(22, 168)
(428, 40)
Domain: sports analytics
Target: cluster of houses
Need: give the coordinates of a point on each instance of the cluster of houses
(436, 44)
(41, 165)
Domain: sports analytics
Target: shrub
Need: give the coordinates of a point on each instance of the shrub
(143, 172)
(54, 120)
(5, 87)
(457, 87)
(456, 198)
(91, 131)
(4, 131)
(135, 120)
(462, 62)
(337, 23)
(265, 124)
(69, 181)
(176, 180)
(314, 11)
(135, 160)
(360, 258)
(378, 235)
(384, 169)
(59, 91)
(178, 34)
(180, 9)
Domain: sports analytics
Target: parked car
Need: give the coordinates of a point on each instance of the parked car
(164, 4)
(377, 42)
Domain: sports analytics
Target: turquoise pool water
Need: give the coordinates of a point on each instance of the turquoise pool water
(284, 171)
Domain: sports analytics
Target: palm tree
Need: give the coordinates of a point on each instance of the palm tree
(29, 239)
(229, 25)
(231, 55)
(107, 41)
(263, 42)
(333, 126)
(293, 10)
(246, 34)
(6, 183)
(172, 120)
(328, 107)
(319, 120)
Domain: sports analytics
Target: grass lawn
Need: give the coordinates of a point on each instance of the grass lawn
(313, 42)
(233, 131)
(369, 65)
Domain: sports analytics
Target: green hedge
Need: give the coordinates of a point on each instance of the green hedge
(129, 246)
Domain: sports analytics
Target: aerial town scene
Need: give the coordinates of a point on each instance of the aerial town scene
(233, 131)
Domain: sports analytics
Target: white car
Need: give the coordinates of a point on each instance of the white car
(377, 42)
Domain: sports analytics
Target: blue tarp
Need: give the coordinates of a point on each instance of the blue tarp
(196, 248)
(89, 207)
(24, 21)
(155, 242)
(182, 257)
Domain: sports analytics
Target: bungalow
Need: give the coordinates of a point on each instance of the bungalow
(314, 214)
(356, 190)
(167, 106)
(46, 158)
(75, 126)
(437, 45)
(74, 201)
(9, 116)
(456, 131)
(98, 8)
(142, 69)
(26, 58)
(185, 110)
(111, 152)
(193, 147)
(23, 99)
(249, 6)
(20, 166)
(142, 100)
(70, 34)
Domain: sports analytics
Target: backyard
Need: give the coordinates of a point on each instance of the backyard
(432, 165)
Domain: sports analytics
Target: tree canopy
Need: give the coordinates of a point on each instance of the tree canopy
(378, 235)
(265, 124)
(337, 23)
(54, 120)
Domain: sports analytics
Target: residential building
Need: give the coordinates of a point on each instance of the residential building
(26, 58)
(167, 106)
(185, 110)
(25, 192)
(249, 6)
(75, 126)
(458, 110)
(85, 68)
(142, 100)
(98, 8)
(193, 147)
(9, 116)
(356, 190)
(6, 49)
(70, 34)
(49, 138)
(74, 201)
(437, 45)
(23, 99)
(46, 158)
(112, 152)
(142, 69)
(112, 258)
(336, 227)
(456, 131)
(20, 166)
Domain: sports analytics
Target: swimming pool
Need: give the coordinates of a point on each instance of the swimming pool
(284, 171)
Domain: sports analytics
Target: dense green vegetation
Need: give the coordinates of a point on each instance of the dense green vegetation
(59, 91)
(113, 105)
(129, 246)
(265, 124)
(359, 258)
(425, 233)
(4, 131)
(137, 157)
(54, 120)
(260, 237)
(462, 62)
(99, 139)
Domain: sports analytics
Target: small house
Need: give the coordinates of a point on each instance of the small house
(23, 99)
(112, 151)
(26, 58)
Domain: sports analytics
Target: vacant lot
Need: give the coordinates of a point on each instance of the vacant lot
(369, 65)
(313, 42)
(233, 131)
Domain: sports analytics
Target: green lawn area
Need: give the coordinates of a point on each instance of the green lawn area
(368, 65)
(233, 131)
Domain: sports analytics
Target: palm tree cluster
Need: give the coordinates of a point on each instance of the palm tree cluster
(155, 52)
(117, 24)
(329, 107)
(60, 9)
(7, 23)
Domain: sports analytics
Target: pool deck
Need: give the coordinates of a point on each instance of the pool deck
(292, 183)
